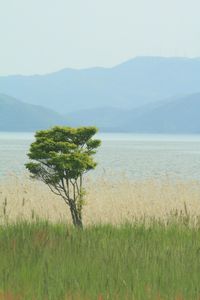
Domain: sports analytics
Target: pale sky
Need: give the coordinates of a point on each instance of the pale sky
(42, 36)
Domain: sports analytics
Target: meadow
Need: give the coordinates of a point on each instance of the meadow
(46, 261)
(141, 241)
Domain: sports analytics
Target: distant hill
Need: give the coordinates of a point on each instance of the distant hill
(106, 118)
(19, 116)
(174, 115)
(129, 85)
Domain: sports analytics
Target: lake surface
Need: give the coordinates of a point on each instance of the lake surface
(138, 156)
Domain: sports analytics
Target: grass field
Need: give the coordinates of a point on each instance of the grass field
(46, 261)
(141, 241)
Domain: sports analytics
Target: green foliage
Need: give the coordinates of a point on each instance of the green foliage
(42, 261)
(60, 157)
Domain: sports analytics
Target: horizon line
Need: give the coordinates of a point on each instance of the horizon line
(101, 67)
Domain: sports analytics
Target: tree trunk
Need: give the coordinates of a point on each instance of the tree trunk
(76, 216)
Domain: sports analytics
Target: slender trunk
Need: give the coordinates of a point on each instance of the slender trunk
(76, 216)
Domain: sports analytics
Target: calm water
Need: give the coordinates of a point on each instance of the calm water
(139, 156)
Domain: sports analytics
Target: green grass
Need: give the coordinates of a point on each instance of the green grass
(43, 261)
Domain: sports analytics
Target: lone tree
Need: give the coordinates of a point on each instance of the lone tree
(60, 157)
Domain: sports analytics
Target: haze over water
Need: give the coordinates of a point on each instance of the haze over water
(137, 156)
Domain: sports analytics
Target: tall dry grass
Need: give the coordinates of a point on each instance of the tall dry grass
(107, 201)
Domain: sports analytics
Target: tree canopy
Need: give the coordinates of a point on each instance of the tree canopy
(60, 157)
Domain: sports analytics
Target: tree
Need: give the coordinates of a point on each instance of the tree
(60, 157)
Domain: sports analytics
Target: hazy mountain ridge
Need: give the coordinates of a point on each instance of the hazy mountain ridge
(16, 115)
(134, 83)
(176, 115)
(146, 94)
(181, 115)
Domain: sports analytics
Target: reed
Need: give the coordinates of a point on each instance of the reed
(141, 241)
(108, 201)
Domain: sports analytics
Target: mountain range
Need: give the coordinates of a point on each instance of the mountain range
(174, 115)
(16, 115)
(146, 94)
(134, 83)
